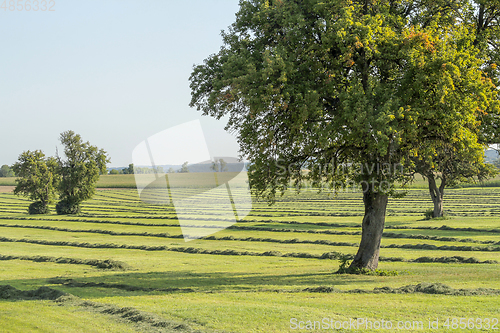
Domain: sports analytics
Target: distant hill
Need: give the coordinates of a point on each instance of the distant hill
(491, 155)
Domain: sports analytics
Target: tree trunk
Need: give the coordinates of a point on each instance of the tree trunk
(437, 194)
(372, 229)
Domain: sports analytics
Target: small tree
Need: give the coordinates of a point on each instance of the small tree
(114, 172)
(184, 168)
(6, 171)
(79, 171)
(219, 165)
(450, 167)
(129, 170)
(37, 180)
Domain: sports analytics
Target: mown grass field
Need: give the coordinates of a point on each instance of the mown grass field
(130, 270)
(128, 181)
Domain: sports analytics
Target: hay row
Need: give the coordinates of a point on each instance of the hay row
(442, 247)
(126, 287)
(422, 288)
(254, 239)
(103, 264)
(192, 250)
(145, 321)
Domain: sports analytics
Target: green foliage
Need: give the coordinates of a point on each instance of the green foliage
(460, 159)
(129, 170)
(453, 167)
(6, 171)
(67, 207)
(38, 207)
(37, 179)
(429, 214)
(79, 172)
(330, 86)
(318, 84)
(115, 172)
(345, 268)
(345, 261)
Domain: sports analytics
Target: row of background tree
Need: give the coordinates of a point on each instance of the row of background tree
(131, 169)
(217, 165)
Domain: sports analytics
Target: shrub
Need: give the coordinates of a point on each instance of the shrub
(345, 261)
(38, 207)
(429, 214)
(66, 207)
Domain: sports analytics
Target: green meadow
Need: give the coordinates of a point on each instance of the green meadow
(122, 265)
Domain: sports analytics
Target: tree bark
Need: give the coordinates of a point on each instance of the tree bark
(437, 195)
(372, 229)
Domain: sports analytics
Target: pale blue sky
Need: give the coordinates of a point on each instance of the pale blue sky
(114, 71)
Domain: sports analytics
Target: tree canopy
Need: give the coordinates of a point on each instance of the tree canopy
(326, 85)
(79, 172)
(219, 165)
(451, 166)
(129, 170)
(449, 163)
(6, 171)
(184, 168)
(37, 179)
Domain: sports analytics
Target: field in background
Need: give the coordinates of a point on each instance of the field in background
(132, 271)
(128, 181)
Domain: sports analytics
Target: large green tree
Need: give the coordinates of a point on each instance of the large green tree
(328, 85)
(79, 172)
(37, 179)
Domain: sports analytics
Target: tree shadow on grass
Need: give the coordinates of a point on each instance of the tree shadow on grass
(135, 284)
